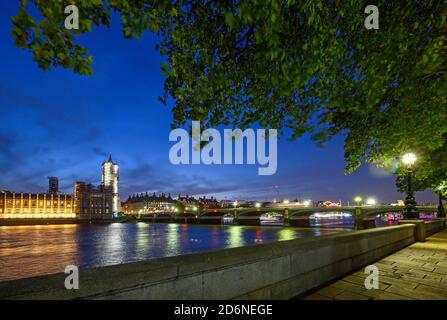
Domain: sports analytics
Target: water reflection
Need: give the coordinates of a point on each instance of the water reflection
(172, 239)
(344, 220)
(235, 239)
(285, 234)
(27, 251)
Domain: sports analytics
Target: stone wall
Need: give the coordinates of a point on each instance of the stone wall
(279, 270)
(434, 226)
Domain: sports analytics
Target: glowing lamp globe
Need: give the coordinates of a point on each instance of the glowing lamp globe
(409, 159)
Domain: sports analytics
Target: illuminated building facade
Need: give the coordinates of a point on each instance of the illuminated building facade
(328, 204)
(203, 201)
(88, 201)
(36, 205)
(144, 203)
(110, 180)
(93, 202)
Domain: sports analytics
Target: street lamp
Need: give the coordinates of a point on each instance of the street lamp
(411, 212)
(358, 199)
(371, 202)
(440, 189)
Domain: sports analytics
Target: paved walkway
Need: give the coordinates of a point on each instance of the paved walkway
(418, 271)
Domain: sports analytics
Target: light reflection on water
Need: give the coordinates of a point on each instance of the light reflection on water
(346, 220)
(333, 219)
(27, 251)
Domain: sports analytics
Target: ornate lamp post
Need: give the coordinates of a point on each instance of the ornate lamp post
(410, 202)
(441, 211)
(358, 213)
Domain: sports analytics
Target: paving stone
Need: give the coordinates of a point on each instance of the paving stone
(346, 295)
(399, 282)
(412, 293)
(407, 262)
(431, 266)
(395, 274)
(330, 291)
(426, 267)
(355, 279)
(440, 270)
(384, 267)
(434, 277)
(425, 281)
(384, 295)
(440, 292)
(386, 262)
(349, 286)
(415, 272)
(316, 296)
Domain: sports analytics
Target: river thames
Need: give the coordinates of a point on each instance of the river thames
(27, 251)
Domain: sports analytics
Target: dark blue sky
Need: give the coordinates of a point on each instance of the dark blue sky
(62, 124)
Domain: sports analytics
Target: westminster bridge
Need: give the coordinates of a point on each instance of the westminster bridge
(363, 216)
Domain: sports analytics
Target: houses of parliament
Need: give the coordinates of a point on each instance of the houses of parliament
(87, 202)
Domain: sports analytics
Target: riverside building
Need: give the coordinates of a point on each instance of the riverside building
(87, 202)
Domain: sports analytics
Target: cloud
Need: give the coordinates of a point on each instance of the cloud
(91, 135)
(51, 127)
(8, 158)
(100, 152)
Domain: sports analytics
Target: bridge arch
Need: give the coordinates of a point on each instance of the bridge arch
(185, 217)
(214, 217)
(253, 216)
(163, 217)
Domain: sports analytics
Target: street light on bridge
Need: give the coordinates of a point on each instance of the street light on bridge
(307, 203)
(371, 202)
(411, 212)
(358, 199)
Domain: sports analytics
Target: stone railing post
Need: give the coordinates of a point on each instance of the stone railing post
(419, 231)
(358, 222)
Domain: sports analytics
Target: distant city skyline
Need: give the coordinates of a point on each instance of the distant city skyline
(272, 193)
(60, 124)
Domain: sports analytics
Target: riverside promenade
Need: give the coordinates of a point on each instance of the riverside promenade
(417, 272)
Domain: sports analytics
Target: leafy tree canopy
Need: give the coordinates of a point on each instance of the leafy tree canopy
(296, 65)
